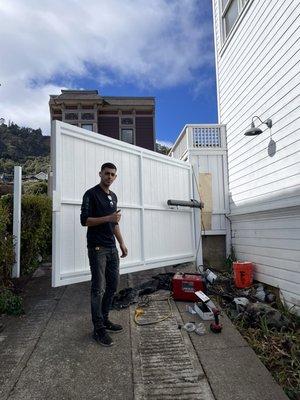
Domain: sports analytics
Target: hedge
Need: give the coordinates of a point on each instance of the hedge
(6, 246)
(36, 229)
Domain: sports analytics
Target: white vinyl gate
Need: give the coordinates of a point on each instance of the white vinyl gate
(155, 235)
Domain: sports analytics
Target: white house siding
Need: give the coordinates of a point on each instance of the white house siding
(259, 74)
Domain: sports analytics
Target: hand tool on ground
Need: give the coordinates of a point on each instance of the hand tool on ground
(215, 326)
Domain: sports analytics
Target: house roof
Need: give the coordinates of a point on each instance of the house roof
(93, 95)
(76, 95)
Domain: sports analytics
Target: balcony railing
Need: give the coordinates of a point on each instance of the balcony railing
(197, 136)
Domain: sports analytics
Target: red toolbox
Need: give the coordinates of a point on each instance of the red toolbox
(184, 286)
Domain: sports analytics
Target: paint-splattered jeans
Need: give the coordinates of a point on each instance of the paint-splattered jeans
(104, 264)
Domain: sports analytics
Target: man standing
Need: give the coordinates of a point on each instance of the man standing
(99, 213)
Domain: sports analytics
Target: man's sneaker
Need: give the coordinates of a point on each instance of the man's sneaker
(110, 326)
(102, 337)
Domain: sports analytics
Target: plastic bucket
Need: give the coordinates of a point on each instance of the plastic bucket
(243, 274)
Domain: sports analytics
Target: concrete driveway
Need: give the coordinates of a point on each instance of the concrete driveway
(49, 352)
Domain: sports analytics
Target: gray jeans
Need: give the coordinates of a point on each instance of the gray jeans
(104, 264)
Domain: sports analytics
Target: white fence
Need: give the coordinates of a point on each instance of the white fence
(154, 234)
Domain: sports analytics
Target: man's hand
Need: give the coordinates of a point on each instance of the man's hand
(124, 250)
(115, 217)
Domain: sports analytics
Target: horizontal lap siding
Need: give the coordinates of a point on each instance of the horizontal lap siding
(259, 74)
(271, 240)
(144, 131)
(109, 126)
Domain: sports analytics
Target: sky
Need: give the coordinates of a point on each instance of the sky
(160, 48)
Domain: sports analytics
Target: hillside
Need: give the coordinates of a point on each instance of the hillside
(23, 146)
(30, 149)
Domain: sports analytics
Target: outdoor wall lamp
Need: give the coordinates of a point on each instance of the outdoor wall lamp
(254, 131)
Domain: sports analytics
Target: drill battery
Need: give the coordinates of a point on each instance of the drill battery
(184, 286)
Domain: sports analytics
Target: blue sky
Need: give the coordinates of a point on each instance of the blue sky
(160, 48)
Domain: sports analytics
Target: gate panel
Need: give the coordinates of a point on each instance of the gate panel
(154, 234)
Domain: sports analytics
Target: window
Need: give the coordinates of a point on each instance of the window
(231, 9)
(127, 121)
(127, 135)
(88, 127)
(87, 115)
(71, 116)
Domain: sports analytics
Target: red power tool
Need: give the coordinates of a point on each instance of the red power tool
(216, 327)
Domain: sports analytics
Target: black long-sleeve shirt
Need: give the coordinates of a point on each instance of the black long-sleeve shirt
(97, 203)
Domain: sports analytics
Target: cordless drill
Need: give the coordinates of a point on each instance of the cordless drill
(216, 327)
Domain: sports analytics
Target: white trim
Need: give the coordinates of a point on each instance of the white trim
(83, 276)
(142, 227)
(56, 158)
(214, 232)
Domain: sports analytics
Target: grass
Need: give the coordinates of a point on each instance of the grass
(278, 350)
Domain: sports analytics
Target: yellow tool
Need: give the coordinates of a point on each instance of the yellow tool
(138, 312)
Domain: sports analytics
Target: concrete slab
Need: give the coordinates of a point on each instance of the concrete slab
(49, 353)
(68, 364)
(164, 362)
(238, 374)
(229, 337)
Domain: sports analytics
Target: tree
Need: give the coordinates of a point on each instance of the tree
(159, 148)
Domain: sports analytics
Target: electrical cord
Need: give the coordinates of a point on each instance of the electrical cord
(145, 303)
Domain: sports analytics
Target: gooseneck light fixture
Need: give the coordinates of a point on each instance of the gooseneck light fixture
(254, 131)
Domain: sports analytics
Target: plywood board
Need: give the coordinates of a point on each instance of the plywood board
(205, 188)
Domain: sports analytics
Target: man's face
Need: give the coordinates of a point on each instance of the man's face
(107, 175)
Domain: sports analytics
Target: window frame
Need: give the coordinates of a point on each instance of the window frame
(89, 124)
(241, 4)
(131, 128)
(127, 126)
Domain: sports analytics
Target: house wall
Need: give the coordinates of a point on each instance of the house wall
(144, 130)
(258, 73)
(109, 126)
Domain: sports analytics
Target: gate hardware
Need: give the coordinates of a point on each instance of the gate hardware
(183, 203)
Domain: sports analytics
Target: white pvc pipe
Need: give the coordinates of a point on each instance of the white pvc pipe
(17, 220)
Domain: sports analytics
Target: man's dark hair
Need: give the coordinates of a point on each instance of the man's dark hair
(108, 165)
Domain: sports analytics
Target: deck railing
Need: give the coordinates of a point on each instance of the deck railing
(197, 136)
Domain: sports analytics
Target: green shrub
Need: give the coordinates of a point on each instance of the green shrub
(10, 303)
(35, 187)
(6, 246)
(36, 229)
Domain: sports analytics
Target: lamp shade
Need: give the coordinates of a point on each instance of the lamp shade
(253, 131)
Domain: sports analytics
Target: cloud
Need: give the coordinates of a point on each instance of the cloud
(150, 44)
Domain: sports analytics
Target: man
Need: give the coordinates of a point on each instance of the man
(99, 213)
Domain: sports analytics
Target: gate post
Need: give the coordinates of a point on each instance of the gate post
(17, 220)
